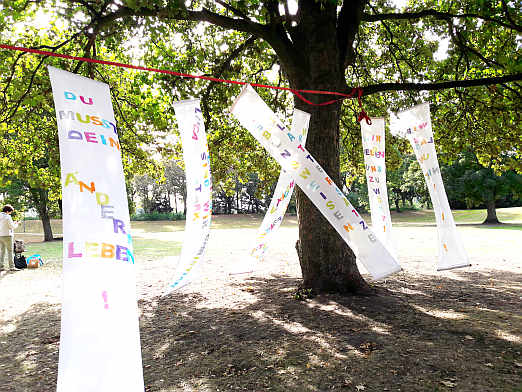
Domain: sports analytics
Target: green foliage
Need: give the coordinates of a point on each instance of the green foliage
(467, 180)
(386, 51)
(302, 294)
(15, 194)
(207, 50)
(158, 216)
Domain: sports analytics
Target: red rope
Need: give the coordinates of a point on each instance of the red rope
(357, 90)
(363, 114)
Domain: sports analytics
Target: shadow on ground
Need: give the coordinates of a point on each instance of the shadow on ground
(417, 334)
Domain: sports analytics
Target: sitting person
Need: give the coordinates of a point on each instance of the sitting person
(7, 237)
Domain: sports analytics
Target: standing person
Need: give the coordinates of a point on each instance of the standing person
(7, 237)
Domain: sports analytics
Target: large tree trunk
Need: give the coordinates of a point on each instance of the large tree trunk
(397, 207)
(327, 263)
(41, 201)
(491, 218)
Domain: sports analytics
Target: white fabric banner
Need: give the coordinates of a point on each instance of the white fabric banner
(99, 340)
(283, 192)
(373, 141)
(415, 125)
(199, 191)
(253, 113)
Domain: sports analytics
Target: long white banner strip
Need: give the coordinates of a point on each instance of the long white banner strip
(99, 339)
(282, 194)
(373, 141)
(253, 113)
(415, 125)
(199, 192)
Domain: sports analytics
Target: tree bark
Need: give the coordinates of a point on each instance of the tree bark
(327, 263)
(41, 201)
(491, 218)
(397, 207)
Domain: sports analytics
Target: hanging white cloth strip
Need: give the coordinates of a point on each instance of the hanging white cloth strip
(276, 211)
(373, 141)
(99, 339)
(253, 113)
(414, 124)
(199, 192)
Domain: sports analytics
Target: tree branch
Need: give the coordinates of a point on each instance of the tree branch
(459, 40)
(272, 6)
(234, 10)
(506, 11)
(438, 15)
(378, 88)
(348, 23)
(204, 15)
(218, 72)
(9, 116)
(89, 7)
(273, 33)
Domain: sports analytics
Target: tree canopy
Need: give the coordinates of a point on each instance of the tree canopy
(394, 53)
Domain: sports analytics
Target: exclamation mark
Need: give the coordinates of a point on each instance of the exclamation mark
(443, 216)
(104, 295)
(445, 247)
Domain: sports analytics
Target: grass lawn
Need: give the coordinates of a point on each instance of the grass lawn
(512, 216)
(153, 248)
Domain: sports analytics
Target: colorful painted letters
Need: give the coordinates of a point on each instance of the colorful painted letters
(257, 117)
(99, 346)
(373, 139)
(415, 125)
(280, 199)
(199, 191)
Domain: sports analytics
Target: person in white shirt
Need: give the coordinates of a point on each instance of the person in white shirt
(7, 237)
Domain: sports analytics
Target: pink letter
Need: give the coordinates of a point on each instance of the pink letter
(71, 253)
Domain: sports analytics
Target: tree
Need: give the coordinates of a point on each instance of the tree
(33, 164)
(413, 184)
(16, 195)
(28, 132)
(324, 45)
(176, 183)
(480, 186)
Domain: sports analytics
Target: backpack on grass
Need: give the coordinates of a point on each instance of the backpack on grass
(34, 261)
(19, 261)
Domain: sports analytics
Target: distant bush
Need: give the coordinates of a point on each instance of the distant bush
(405, 208)
(158, 216)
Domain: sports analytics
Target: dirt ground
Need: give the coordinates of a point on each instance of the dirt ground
(457, 330)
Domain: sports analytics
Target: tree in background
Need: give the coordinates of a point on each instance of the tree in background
(175, 182)
(235, 196)
(405, 183)
(28, 131)
(30, 159)
(15, 194)
(153, 193)
(329, 45)
(478, 186)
